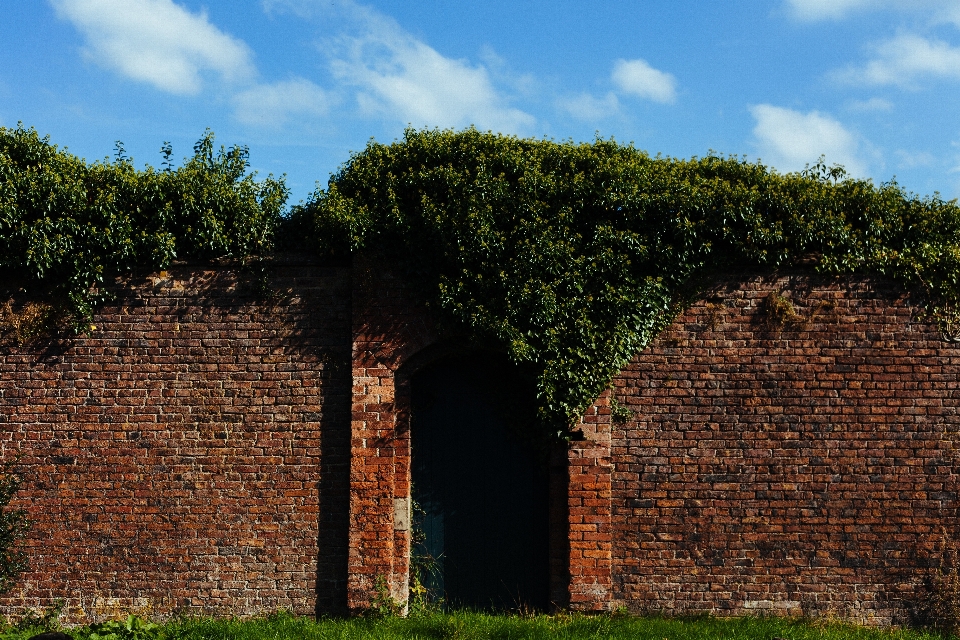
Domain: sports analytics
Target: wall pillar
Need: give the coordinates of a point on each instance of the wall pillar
(389, 325)
(589, 494)
(377, 548)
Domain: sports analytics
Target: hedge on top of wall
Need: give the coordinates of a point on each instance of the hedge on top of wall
(571, 255)
(67, 225)
(575, 255)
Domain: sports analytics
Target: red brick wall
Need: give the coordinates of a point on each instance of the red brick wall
(390, 325)
(806, 468)
(394, 335)
(191, 453)
(589, 502)
(211, 449)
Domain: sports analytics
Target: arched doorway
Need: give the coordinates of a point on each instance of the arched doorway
(481, 483)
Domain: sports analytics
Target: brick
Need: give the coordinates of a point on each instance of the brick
(215, 452)
(803, 506)
(154, 514)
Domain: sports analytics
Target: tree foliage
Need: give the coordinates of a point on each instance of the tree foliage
(575, 255)
(66, 225)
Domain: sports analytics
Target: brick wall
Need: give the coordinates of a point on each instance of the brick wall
(191, 453)
(806, 465)
(215, 447)
(391, 325)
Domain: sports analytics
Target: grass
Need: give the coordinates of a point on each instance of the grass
(479, 626)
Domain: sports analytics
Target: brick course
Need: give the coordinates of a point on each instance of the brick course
(212, 449)
(805, 468)
(390, 325)
(186, 455)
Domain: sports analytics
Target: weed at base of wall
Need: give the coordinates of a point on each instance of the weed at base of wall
(938, 604)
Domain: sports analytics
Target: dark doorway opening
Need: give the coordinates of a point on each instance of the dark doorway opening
(481, 484)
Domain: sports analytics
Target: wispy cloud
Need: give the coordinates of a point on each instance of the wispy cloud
(630, 78)
(904, 61)
(789, 140)
(950, 13)
(814, 10)
(273, 105)
(911, 159)
(873, 104)
(638, 78)
(299, 8)
(810, 10)
(156, 41)
(398, 76)
(588, 107)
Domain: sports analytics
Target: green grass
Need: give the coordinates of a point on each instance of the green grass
(478, 626)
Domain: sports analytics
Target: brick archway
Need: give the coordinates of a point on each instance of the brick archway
(393, 335)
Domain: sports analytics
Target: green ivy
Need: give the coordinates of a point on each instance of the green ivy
(67, 225)
(575, 256)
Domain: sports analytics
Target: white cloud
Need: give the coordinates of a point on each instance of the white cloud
(904, 60)
(789, 140)
(637, 77)
(873, 104)
(522, 85)
(911, 159)
(630, 77)
(156, 41)
(950, 13)
(812, 10)
(588, 107)
(398, 76)
(826, 9)
(273, 105)
(299, 8)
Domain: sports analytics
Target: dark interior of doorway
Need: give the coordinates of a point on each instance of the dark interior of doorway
(481, 486)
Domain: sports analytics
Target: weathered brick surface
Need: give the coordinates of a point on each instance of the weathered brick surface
(589, 504)
(206, 449)
(809, 468)
(192, 453)
(390, 325)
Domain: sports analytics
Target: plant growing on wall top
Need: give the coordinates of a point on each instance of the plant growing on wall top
(66, 225)
(575, 255)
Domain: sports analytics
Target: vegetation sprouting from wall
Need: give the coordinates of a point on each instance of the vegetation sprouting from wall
(571, 255)
(67, 225)
(575, 255)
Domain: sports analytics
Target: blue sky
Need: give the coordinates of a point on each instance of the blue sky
(870, 84)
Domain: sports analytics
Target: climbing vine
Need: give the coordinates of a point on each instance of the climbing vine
(575, 256)
(66, 225)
